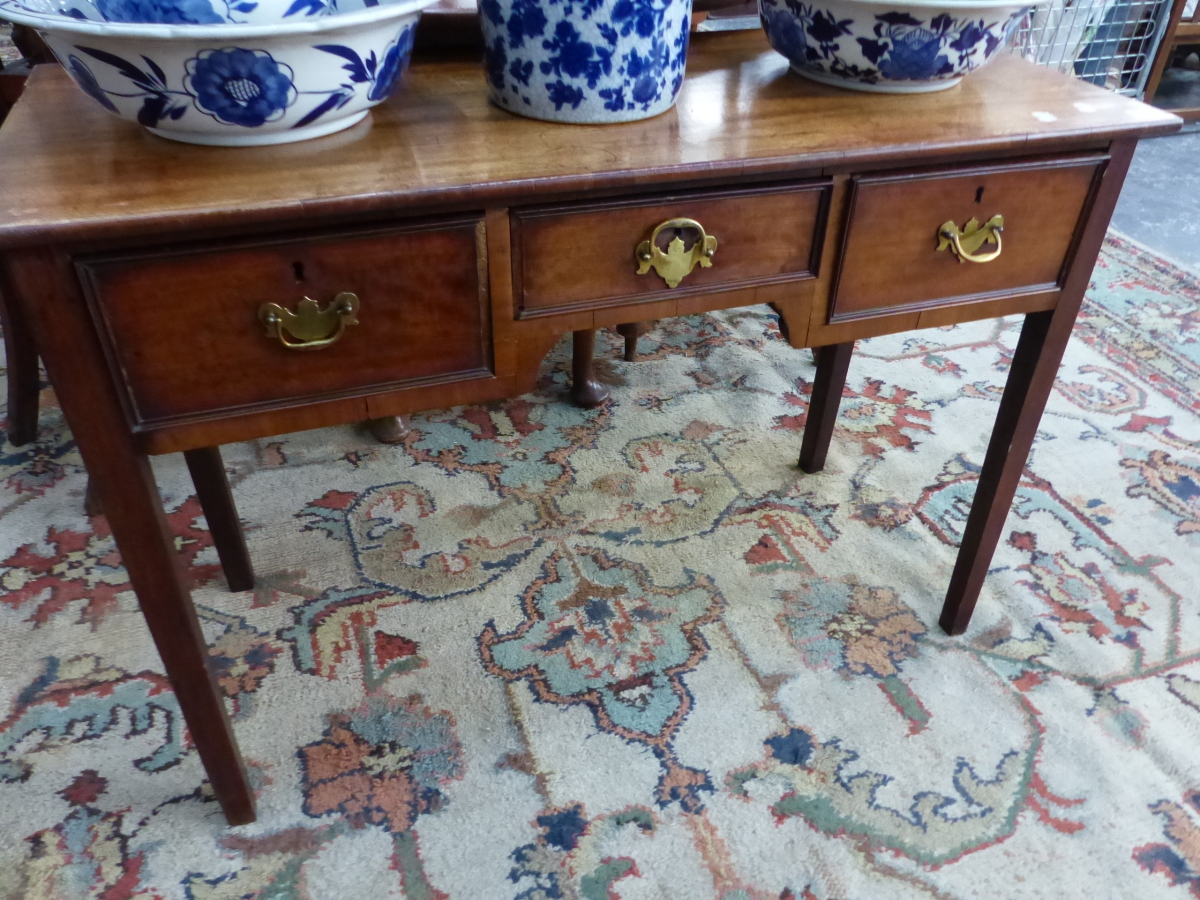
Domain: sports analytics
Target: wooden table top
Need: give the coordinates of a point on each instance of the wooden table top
(72, 171)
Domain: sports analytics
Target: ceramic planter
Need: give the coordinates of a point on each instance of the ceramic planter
(585, 60)
(231, 84)
(900, 48)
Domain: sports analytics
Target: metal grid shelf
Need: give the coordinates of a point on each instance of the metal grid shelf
(1110, 43)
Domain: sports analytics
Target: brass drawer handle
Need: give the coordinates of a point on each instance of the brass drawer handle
(674, 265)
(973, 236)
(312, 326)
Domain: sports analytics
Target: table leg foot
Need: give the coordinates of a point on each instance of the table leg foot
(833, 361)
(388, 429)
(585, 390)
(212, 490)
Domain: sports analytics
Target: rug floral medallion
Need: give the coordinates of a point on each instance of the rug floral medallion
(536, 652)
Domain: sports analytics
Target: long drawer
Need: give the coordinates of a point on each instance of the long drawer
(190, 333)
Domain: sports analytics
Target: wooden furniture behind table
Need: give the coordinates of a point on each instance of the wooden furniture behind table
(1180, 32)
(471, 240)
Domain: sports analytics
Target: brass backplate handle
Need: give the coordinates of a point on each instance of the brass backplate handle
(675, 264)
(965, 244)
(310, 327)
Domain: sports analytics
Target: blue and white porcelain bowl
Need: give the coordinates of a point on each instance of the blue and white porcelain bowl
(906, 47)
(231, 84)
(591, 61)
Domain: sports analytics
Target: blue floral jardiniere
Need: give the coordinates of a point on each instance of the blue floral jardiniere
(585, 60)
(872, 46)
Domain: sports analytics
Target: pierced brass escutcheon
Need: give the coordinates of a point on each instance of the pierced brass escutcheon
(965, 243)
(311, 326)
(674, 265)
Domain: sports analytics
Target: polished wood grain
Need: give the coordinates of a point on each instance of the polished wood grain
(72, 170)
(183, 333)
(891, 262)
(583, 255)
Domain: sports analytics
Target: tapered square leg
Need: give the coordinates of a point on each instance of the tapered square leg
(1017, 419)
(46, 288)
(833, 362)
(23, 381)
(212, 490)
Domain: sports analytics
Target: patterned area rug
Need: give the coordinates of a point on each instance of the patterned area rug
(537, 652)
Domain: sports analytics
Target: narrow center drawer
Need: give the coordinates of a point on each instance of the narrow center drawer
(184, 328)
(894, 258)
(585, 256)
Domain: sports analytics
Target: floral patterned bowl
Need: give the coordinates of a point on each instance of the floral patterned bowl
(897, 48)
(585, 60)
(237, 84)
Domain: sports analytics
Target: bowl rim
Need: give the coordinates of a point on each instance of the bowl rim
(947, 5)
(14, 11)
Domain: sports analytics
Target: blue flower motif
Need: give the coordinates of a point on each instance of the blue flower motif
(575, 57)
(825, 29)
(968, 39)
(527, 21)
(646, 73)
(87, 81)
(239, 87)
(786, 33)
(159, 12)
(494, 61)
(915, 56)
(562, 94)
(614, 99)
(992, 39)
(641, 15)
(395, 60)
(521, 70)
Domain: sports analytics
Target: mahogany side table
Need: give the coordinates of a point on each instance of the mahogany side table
(444, 246)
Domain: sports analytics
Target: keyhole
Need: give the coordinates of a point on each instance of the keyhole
(298, 270)
(979, 194)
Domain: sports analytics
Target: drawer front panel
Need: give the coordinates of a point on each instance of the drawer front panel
(584, 256)
(183, 328)
(891, 261)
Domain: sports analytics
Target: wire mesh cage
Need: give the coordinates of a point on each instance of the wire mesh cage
(1110, 43)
